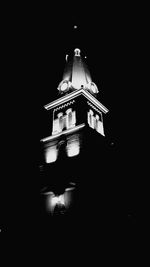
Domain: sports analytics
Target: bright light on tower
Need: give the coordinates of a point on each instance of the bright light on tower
(73, 148)
(64, 86)
(64, 199)
(57, 200)
(51, 154)
(53, 201)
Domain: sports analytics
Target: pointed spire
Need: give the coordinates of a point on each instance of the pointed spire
(80, 77)
(77, 76)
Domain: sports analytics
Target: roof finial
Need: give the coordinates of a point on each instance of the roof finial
(77, 52)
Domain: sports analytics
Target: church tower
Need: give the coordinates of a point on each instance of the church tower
(73, 153)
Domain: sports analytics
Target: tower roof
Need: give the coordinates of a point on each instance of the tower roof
(77, 76)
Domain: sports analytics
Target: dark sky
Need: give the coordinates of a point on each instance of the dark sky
(36, 47)
(38, 41)
(102, 41)
(111, 44)
(108, 40)
(49, 41)
(108, 43)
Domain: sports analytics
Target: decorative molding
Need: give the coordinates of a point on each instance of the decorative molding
(94, 108)
(95, 101)
(49, 138)
(65, 105)
(73, 95)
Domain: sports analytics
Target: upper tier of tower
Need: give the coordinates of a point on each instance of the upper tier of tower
(77, 76)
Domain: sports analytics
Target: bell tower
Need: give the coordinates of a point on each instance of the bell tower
(74, 149)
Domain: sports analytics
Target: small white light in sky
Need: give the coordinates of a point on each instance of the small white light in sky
(85, 57)
(75, 26)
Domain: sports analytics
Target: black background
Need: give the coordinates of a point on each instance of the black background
(36, 43)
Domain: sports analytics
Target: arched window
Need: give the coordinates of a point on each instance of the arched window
(51, 154)
(56, 127)
(96, 122)
(61, 123)
(70, 118)
(73, 146)
(99, 124)
(91, 119)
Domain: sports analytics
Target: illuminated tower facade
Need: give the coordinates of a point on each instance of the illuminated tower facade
(73, 152)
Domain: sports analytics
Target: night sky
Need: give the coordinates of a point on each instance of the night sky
(111, 43)
(110, 46)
